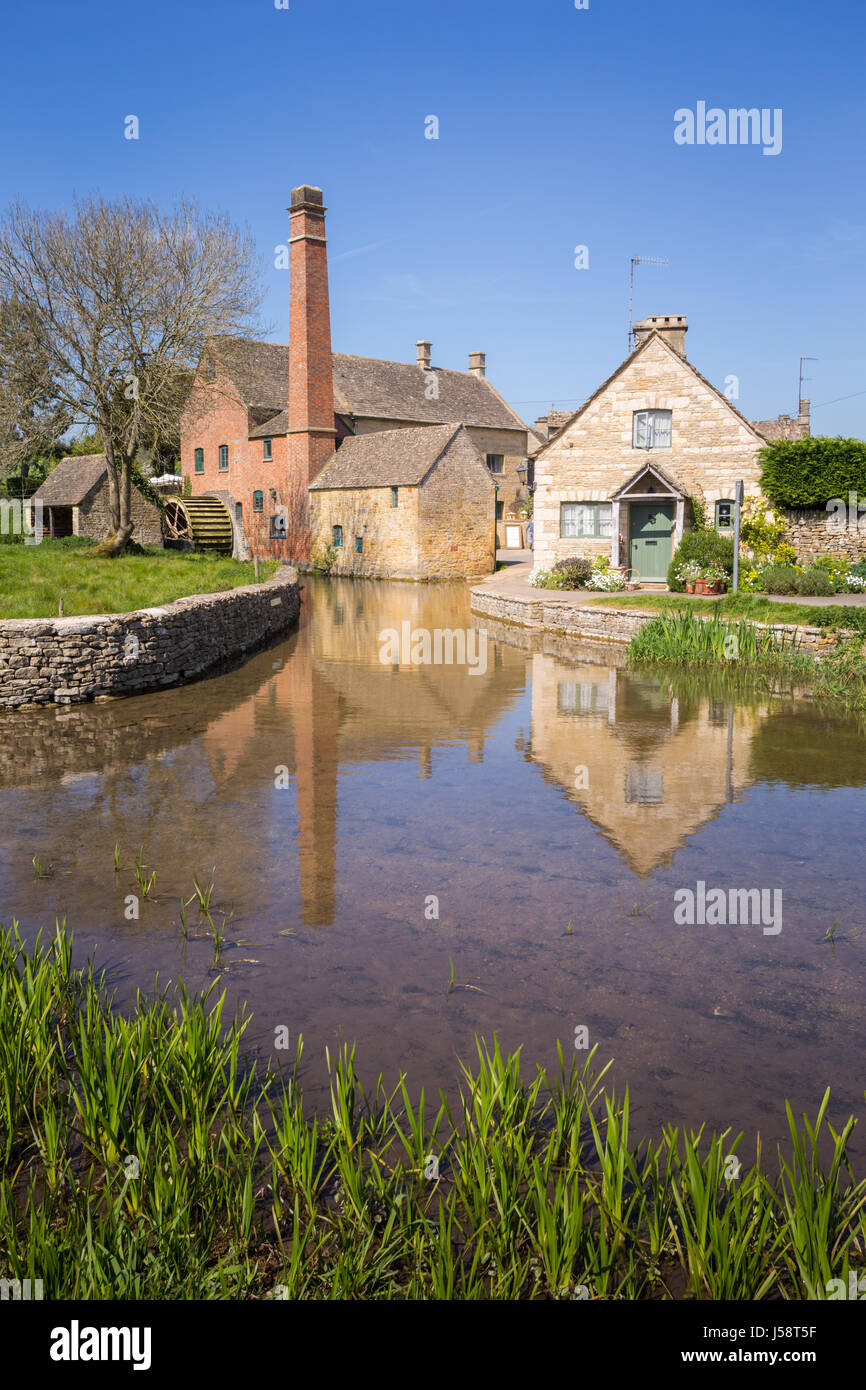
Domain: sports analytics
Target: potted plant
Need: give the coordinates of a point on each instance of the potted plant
(687, 575)
(715, 578)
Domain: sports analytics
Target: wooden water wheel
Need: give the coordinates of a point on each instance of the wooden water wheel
(204, 522)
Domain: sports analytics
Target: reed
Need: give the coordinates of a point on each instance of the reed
(143, 1155)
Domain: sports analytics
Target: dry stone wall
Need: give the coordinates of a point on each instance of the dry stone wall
(69, 660)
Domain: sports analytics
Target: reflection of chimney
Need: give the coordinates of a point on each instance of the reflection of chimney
(425, 760)
(316, 725)
(311, 372)
(672, 327)
(477, 363)
(425, 350)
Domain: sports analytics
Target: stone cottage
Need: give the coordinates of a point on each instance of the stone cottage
(262, 419)
(618, 479)
(74, 500)
(385, 506)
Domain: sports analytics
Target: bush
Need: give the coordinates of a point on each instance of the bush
(576, 570)
(778, 579)
(816, 580)
(700, 548)
(810, 472)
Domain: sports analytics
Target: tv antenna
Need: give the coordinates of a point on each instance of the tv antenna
(638, 260)
(802, 379)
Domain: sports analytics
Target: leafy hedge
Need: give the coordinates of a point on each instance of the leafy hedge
(809, 472)
(701, 548)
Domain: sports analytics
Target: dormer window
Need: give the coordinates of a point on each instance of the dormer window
(651, 429)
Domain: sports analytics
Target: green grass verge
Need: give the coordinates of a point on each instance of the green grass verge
(142, 1157)
(33, 579)
(758, 607)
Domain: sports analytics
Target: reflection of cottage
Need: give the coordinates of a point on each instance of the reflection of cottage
(649, 771)
(385, 505)
(619, 478)
(75, 501)
(263, 419)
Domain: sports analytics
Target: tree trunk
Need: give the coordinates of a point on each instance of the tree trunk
(115, 544)
(113, 481)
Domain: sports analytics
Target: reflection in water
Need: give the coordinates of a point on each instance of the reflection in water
(334, 794)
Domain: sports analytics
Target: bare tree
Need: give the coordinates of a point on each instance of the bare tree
(117, 302)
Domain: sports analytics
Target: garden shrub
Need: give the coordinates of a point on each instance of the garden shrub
(816, 580)
(576, 569)
(701, 548)
(779, 579)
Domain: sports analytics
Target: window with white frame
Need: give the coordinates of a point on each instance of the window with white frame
(652, 429)
(579, 519)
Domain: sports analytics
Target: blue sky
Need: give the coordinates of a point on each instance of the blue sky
(555, 130)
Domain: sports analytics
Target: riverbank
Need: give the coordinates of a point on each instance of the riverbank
(34, 579)
(144, 1157)
(71, 660)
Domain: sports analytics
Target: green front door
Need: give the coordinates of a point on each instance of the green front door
(651, 526)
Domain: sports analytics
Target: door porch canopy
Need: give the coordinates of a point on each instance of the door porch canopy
(649, 484)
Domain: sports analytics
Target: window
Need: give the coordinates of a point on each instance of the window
(224, 457)
(500, 510)
(582, 697)
(199, 460)
(359, 545)
(495, 462)
(258, 501)
(337, 536)
(643, 785)
(394, 496)
(268, 449)
(578, 519)
(239, 511)
(652, 429)
(725, 515)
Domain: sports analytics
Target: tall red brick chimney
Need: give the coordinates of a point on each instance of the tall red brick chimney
(311, 371)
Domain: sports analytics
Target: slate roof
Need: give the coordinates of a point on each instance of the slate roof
(69, 483)
(367, 387)
(386, 458)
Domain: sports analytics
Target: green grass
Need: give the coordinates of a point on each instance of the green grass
(142, 1156)
(33, 579)
(755, 606)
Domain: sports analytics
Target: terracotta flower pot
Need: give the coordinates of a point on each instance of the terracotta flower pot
(700, 586)
(690, 588)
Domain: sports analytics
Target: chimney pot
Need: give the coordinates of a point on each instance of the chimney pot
(478, 363)
(425, 350)
(305, 195)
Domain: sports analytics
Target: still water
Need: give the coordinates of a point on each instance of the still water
(335, 796)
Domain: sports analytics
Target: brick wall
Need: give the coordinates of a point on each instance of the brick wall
(215, 414)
